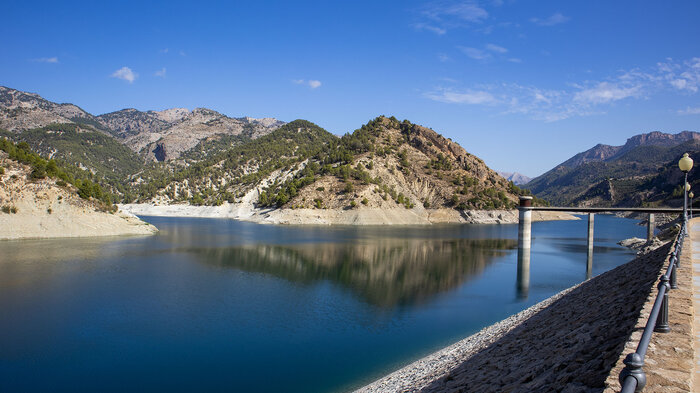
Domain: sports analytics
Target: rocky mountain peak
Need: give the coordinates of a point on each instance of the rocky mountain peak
(172, 115)
(21, 110)
(658, 138)
(515, 177)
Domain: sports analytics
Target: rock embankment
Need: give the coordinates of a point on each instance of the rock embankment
(41, 209)
(365, 216)
(568, 343)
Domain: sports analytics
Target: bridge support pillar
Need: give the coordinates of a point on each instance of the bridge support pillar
(524, 245)
(589, 265)
(650, 226)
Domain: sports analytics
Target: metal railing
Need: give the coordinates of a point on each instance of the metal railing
(632, 377)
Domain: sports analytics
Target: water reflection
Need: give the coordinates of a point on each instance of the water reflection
(384, 272)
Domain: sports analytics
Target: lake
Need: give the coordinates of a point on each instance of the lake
(217, 305)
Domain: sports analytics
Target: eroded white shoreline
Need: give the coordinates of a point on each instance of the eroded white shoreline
(363, 216)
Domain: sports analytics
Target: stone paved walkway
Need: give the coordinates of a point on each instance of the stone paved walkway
(695, 238)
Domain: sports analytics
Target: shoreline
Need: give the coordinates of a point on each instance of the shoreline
(362, 216)
(422, 372)
(575, 327)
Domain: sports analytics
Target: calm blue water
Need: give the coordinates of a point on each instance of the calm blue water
(225, 306)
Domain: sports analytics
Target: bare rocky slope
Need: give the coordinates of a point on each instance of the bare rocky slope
(40, 208)
(21, 111)
(165, 135)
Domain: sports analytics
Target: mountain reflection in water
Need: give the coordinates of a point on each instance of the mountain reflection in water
(383, 272)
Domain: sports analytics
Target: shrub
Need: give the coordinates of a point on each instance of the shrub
(5, 209)
(320, 188)
(319, 203)
(353, 204)
(61, 183)
(348, 188)
(49, 210)
(38, 173)
(2, 170)
(365, 201)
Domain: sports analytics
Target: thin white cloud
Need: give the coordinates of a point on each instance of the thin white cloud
(475, 53)
(125, 73)
(431, 28)
(689, 111)
(312, 83)
(683, 76)
(580, 99)
(468, 97)
(496, 48)
(484, 54)
(161, 73)
(52, 60)
(468, 11)
(164, 50)
(555, 19)
(441, 15)
(605, 92)
(182, 53)
(515, 60)
(443, 57)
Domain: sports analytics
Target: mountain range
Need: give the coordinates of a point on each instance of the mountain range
(202, 157)
(640, 172)
(153, 135)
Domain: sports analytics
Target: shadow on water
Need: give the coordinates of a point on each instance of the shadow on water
(383, 272)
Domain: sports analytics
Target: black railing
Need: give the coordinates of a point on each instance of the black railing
(632, 377)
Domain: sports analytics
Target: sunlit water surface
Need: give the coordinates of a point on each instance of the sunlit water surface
(226, 306)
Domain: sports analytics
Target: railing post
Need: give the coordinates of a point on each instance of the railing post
(673, 282)
(633, 368)
(650, 226)
(524, 245)
(662, 325)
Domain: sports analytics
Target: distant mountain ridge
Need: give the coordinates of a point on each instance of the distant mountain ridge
(22, 111)
(165, 135)
(614, 175)
(515, 177)
(602, 152)
(154, 135)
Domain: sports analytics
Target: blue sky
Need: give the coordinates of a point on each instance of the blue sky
(522, 84)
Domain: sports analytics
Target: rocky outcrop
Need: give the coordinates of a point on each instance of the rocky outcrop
(130, 122)
(179, 130)
(160, 152)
